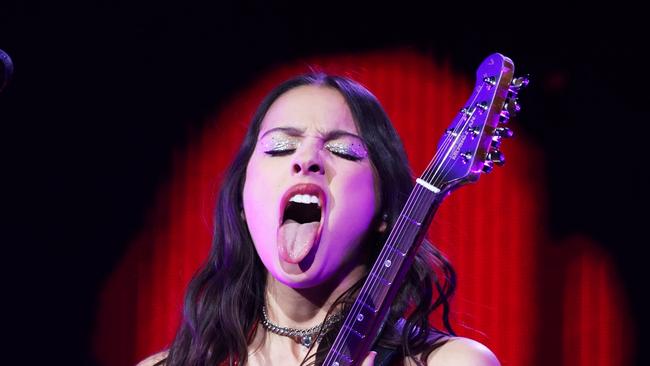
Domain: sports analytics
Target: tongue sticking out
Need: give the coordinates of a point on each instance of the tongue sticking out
(295, 240)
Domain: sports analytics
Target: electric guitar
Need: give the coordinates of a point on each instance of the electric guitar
(468, 148)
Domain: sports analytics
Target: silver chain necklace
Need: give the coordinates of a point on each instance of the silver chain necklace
(304, 336)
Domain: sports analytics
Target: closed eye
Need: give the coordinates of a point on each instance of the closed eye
(280, 152)
(347, 150)
(290, 151)
(346, 156)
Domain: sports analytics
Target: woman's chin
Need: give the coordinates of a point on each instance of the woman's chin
(292, 275)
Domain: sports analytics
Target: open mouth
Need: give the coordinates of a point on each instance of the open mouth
(302, 208)
(301, 221)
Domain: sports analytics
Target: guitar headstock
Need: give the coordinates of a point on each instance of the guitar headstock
(470, 145)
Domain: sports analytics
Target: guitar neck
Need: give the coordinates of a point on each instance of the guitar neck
(368, 313)
(468, 148)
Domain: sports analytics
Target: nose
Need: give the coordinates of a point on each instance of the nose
(307, 160)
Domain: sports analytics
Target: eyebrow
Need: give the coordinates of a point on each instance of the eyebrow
(330, 135)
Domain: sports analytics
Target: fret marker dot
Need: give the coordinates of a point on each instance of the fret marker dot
(335, 363)
(387, 263)
(360, 317)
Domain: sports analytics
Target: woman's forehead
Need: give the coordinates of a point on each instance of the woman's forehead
(311, 108)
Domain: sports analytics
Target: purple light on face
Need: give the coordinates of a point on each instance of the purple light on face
(317, 147)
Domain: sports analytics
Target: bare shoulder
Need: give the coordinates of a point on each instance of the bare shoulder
(153, 359)
(460, 351)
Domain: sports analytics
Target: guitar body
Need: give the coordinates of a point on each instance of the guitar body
(468, 149)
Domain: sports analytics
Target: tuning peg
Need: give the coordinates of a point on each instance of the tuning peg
(490, 80)
(503, 132)
(520, 82)
(512, 107)
(495, 143)
(496, 157)
(466, 157)
(504, 116)
(487, 167)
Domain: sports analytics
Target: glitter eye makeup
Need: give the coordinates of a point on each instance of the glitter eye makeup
(349, 150)
(278, 144)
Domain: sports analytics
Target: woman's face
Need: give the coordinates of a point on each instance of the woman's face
(310, 192)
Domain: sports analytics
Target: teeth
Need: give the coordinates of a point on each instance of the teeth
(305, 198)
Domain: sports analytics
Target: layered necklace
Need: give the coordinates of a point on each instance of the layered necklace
(304, 336)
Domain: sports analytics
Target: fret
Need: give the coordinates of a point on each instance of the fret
(373, 293)
(388, 264)
(354, 332)
(375, 290)
(352, 340)
(410, 220)
(395, 250)
(341, 358)
(362, 319)
(371, 309)
(382, 275)
(413, 215)
(382, 280)
(405, 239)
(365, 297)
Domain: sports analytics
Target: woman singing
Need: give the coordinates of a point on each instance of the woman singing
(302, 214)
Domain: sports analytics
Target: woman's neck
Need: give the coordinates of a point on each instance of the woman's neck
(295, 308)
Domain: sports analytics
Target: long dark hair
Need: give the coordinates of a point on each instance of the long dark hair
(224, 298)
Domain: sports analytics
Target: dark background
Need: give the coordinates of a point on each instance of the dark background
(103, 90)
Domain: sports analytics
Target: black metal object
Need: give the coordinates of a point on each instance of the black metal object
(6, 69)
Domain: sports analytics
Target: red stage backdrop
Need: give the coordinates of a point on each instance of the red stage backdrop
(532, 302)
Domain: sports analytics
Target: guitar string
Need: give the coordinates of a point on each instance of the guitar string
(446, 173)
(368, 285)
(500, 77)
(487, 111)
(445, 159)
(372, 283)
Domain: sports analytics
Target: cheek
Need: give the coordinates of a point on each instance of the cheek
(364, 188)
(358, 197)
(259, 188)
(363, 200)
(259, 210)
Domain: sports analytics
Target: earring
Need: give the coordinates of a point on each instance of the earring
(384, 223)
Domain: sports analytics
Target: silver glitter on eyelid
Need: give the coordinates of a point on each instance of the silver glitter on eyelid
(276, 143)
(354, 149)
